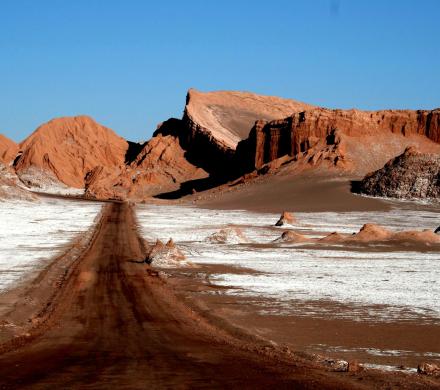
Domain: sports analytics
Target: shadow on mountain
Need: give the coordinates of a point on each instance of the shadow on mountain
(192, 187)
(133, 151)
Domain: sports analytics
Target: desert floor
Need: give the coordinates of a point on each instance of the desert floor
(102, 318)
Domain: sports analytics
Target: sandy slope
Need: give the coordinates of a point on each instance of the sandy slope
(114, 323)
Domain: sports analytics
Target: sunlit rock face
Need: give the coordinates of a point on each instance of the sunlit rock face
(350, 139)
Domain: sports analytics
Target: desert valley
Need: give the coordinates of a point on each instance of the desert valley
(272, 241)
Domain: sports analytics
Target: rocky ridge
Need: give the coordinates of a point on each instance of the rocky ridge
(352, 140)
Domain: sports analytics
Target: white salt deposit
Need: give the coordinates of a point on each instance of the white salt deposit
(373, 282)
(31, 233)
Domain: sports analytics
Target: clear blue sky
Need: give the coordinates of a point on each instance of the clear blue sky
(129, 63)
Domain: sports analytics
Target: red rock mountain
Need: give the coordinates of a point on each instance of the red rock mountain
(214, 122)
(221, 136)
(159, 167)
(8, 149)
(358, 141)
(68, 148)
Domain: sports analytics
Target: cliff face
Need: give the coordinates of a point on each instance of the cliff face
(68, 148)
(316, 128)
(410, 175)
(8, 149)
(214, 123)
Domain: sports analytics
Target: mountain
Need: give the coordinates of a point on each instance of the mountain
(8, 149)
(220, 137)
(66, 149)
(352, 140)
(159, 167)
(213, 123)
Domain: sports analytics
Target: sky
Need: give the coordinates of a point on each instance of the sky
(129, 63)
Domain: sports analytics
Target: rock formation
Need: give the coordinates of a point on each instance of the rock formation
(163, 255)
(222, 137)
(286, 219)
(372, 233)
(160, 167)
(214, 122)
(228, 235)
(292, 237)
(68, 148)
(8, 150)
(10, 186)
(410, 175)
(350, 139)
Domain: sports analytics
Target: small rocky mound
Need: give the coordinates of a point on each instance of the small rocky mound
(286, 219)
(230, 235)
(292, 237)
(163, 255)
(409, 175)
(333, 237)
(373, 232)
(425, 236)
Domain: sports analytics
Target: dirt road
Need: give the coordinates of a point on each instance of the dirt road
(115, 324)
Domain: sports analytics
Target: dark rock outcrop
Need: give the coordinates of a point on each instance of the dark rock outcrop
(410, 175)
